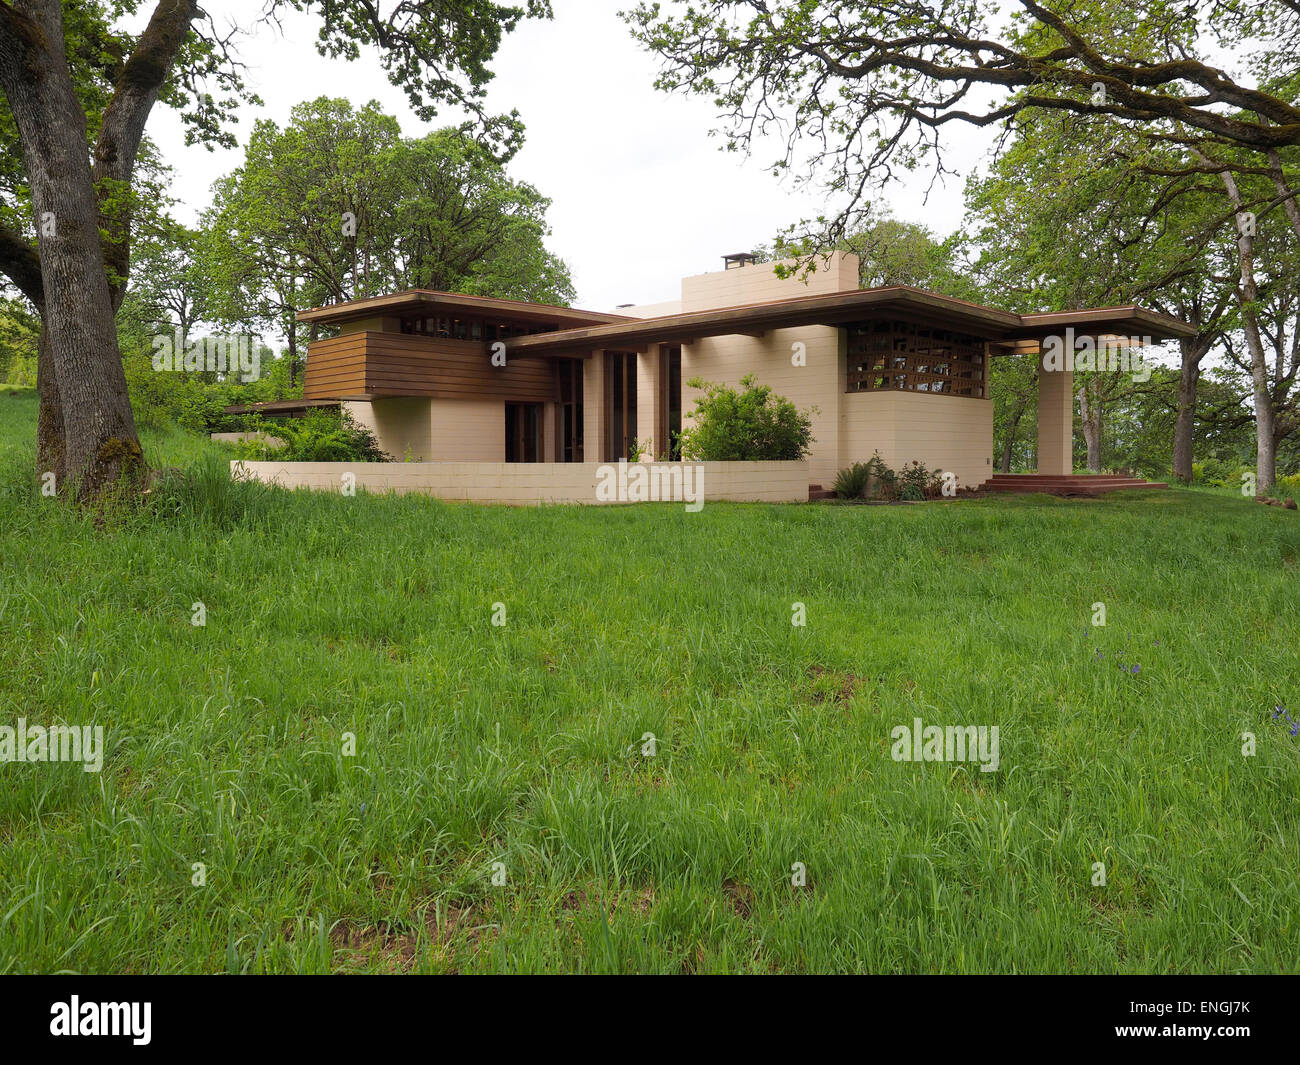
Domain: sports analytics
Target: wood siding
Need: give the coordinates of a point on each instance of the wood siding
(396, 364)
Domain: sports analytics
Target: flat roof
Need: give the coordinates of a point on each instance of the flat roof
(431, 302)
(280, 406)
(1108, 321)
(837, 308)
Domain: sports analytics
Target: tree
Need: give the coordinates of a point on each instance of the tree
(291, 227)
(1064, 221)
(870, 88)
(338, 205)
(891, 251)
(68, 74)
(169, 281)
(461, 223)
(19, 336)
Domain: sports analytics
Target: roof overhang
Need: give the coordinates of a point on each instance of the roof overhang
(1122, 322)
(835, 308)
(1010, 333)
(430, 303)
(280, 406)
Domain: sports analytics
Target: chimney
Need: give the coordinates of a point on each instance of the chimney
(736, 260)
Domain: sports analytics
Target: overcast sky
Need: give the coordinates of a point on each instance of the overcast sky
(641, 193)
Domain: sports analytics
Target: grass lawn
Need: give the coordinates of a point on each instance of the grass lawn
(521, 744)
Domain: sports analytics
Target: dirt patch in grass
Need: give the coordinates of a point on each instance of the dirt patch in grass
(693, 962)
(355, 946)
(394, 949)
(639, 900)
(833, 685)
(741, 897)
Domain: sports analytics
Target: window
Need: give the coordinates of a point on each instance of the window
(471, 328)
(523, 432)
(904, 356)
(569, 412)
(670, 402)
(620, 401)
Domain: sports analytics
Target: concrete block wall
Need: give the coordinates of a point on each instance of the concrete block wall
(435, 430)
(951, 433)
(817, 384)
(530, 482)
(757, 283)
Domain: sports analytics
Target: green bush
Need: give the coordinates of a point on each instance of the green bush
(748, 425)
(197, 400)
(917, 481)
(851, 482)
(874, 480)
(321, 435)
(1220, 473)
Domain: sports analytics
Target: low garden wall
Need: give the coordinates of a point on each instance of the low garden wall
(691, 483)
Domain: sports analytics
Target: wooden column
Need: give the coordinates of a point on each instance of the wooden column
(549, 412)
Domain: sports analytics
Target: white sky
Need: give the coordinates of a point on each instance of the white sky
(642, 195)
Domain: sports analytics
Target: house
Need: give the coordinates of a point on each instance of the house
(441, 377)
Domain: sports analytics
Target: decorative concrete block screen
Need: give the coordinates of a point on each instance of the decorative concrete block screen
(691, 483)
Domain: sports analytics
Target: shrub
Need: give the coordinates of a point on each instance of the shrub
(917, 481)
(866, 480)
(874, 480)
(851, 482)
(319, 436)
(748, 425)
(1221, 473)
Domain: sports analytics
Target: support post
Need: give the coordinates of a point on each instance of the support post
(1055, 421)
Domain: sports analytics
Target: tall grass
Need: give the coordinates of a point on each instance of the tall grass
(522, 744)
(205, 494)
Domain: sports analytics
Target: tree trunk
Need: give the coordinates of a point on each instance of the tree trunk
(1009, 444)
(1265, 415)
(50, 455)
(1247, 297)
(79, 365)
(85, 422)
(1090, 422)
(1189, 378)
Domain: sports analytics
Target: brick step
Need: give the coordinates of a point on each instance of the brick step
(1029, 478)
(1070, 488)
(1065, 482)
